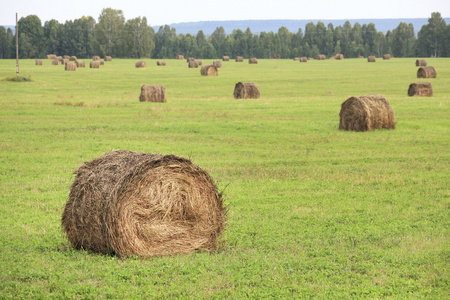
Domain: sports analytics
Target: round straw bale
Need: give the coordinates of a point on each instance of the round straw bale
(179, 57)
(426, 72)
(102, 62)
(96, 57)
(303, 59)
(60, 58)
(209, 70)
(65, 61)
(217, 64)
(296, 59)
(189, 59)
(365, 113)
(253, 60)
(239, 59)
(339, 56)
(226, 58)
(277, 56)
(152, 93)
(94, 64)
(55, 62)
(66, 57)
(199, 62)
(73, 58)
(386, 56)
(132, 203)
(38, 62)
(80, 64)
(423, 89)
(161, 63)
(421, 63)
(321, 57)
(371, 59)
(141, 64)
(108, 58)
(50, 56)
(70, 66)
(246, 90)
(193, 64)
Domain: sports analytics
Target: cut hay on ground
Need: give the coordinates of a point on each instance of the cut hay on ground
(303, 59)
(239, 59)
(38, 62)
(161, 63)
(226, 58)
(246, 90)
(209, 70)
(421, 63)
(80, 64)
(253, 60)
(152, 93)
(141, 64)
(423, 89)
(193, 64)
(73, 58)
(371, 59)
(426, 72)
(55, 62)
(132, 203)
(94, 64)
(70, 66)
(179, 57)
(365, 113)
(50, 56)
(108, 58)
(217, 64)
(386, 56)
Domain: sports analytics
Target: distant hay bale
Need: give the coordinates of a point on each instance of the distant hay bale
(209, 70)
(38, 62)
(179, 57)
(310, 58)
(339, 56)
(193, 64)
(152, 93)
(361, 56)
(296, 59)
(421, 63)
(96, 57)
(321, 57)
(253, 60)
(70, 66)
(365, 113)
(371, 59)
(94, 64)
(386, 56)
(80, 64)
(108, 58)
(303, 59)
(50, 56)
(239, 59)
(161, 63)
(132, 203)
(426, 72)
(64, 61)
(423, 89)
(246, 90)
(55, 62)
(102, 62)
(60, 58)
(141, 64)
(189, 59)
(332, 57)
(66, 57)
(277, 56)
(226, 58)
(73, 58)
(199, 62)
(217, 64)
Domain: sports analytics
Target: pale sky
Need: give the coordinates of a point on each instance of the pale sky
(175, 11)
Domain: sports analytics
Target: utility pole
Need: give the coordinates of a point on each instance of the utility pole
(17, 47)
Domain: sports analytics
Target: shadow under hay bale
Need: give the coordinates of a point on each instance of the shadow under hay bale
(94, 64)
(371, 59)
(193, 64)
(70, 66)
(239, 59)
(421, 63)
(161, 63)
(246, 90)
(217, 64)
(209, 70)
(423, 89)
(253, 60)
(365, 113)
(132, 203)
(80, 64)
(38, 62)
(426, 72)
(140, 64)
(152, 93)
(226, 58)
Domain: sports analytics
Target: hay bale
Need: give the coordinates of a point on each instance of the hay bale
(102, 62)
(66, 57)
(80, 64)
(70, 66)
(226, 58)
(161, 63)
(365, 113)
(73, 58)
(239, 59)
(426, 72)
(96, 57)
(189, 59)
(132, 203)
(152, 93)
(217, 64)
(209, 70)
(339, 56)
(94, 64)
(310, 58)
(108, 58)
(50, 56)
(179, 57)
(199, 62)
(386, 56)
(296, 59)
(141, 64)
(38, 62)
(303, 59)
(60, 58)
(371, 59)
(246, 90)
(423, 89)
(56, 62)
(64, 61)
(321, 57)
(421, 63)
(193, 64)
(277, 56)
(253, 60)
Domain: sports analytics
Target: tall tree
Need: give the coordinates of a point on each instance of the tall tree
(403, 40)
(109, 32)
(31, 36)
(51, 36)
(139, 37)
(3, 43)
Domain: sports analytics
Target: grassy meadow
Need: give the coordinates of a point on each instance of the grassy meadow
(314, 212)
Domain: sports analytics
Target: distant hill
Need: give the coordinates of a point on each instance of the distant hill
(257, 26)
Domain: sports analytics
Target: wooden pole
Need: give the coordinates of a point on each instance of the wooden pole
(17, 47)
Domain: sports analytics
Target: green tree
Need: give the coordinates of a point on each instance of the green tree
(218, 39)
(139, 37)
(165, 42)
(31, 36)
(51, 36)
(109, 32)
(431, 36)
(3, 43)
(403, 40)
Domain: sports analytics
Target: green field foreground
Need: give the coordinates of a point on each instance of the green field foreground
(314, 212)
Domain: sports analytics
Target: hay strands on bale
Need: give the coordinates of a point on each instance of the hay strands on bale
(94, 64)
(423, 89)
(209, 70)
(246, 90)
(365, 113)
(70, 66)
(133, 203)
(161, 63)
(141, 64)
(152, 93)
(426, 72)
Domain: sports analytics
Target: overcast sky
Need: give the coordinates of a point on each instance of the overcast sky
(175, 11)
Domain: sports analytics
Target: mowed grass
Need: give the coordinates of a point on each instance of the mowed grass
(313, 211)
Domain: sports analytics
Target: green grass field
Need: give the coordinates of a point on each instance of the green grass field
(314, 212)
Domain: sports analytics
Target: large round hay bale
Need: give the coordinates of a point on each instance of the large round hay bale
(421, 63)
(365, 113)
(38, 62)
(303, 59)
(217, 64)
(193, 64)
(239, 59)
(141, 64)
(94, 64)
(73, 58)
(253, 60)
(426, 72)
(50, 56)
(179, 57)
(246, 90)
(209, 70)
(108, 58)
(423, 89)
(161, 63)
(152, 93)
(96, 57)
(55, 62)
(371, 59)
(70, 66)
(226, 58)
(80, 64)
(132, 203)
(386, 56)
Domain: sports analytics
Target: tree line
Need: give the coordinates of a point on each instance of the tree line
(114, 36)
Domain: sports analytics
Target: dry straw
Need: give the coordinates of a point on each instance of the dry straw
(94, 64)
(239, 59)
(193, 64)
(209, 70)
(189, 59)
(303, 59)
(217, 64)
(365, 113)
(277, 56)
(371, 59)
(55, 62)
(423, 89)
(339, 56)
(141, 64)
(321, 57)
(66, 57)
(38, 62)
(70, 66)
(179, 57)
(108, 58)
(426, 72)
(132, 203)
(246, 90)
(152, 93)
(387, 56)
(421, 63)
(80, 64)
(96, 57)
(199, 62)
(73, 58)
(161, 63)
(50, 56)
(253, 60)
(296, 59)
(226, 58)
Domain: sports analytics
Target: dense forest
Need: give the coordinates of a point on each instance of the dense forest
(114, 36)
